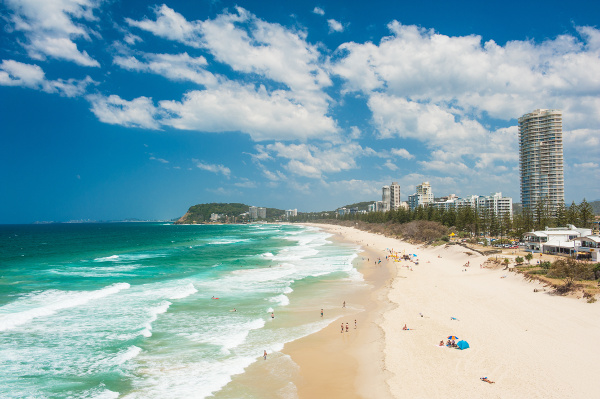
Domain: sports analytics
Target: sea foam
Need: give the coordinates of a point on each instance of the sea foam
(49, 302)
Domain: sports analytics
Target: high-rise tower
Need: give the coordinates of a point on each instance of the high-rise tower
(541, 158)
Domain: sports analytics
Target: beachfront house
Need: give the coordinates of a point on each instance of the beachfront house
(555, 240)
(588, 247)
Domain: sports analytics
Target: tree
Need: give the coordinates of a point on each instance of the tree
(542, 214)
(573, 214)
(519, 260)
(529, 256)
(506, 262)
(570, 270)
(561, 215)
(586, 213)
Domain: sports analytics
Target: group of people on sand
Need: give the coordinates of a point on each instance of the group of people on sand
(347, 327)
(449, 343)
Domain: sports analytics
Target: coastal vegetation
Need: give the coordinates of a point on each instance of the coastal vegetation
(565, 275)
(229, 213)
(472, 222)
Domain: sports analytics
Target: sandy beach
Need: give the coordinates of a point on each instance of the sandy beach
(531, 344)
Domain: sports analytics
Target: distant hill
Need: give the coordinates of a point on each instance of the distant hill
(201, 213)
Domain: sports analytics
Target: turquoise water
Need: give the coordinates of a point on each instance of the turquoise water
(126, 310)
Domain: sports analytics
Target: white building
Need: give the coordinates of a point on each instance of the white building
(262, 213)
(555, 240)
(588, 245)
(495, 203)
(253, 211)
(423, 196)
(214, 217)
(395, 202)
(385, 198)
(291, 213)
(541, 158)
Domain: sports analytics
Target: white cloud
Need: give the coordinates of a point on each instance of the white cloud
(245, 183)
(355, 133)
(14, 73)
(178, 67)
(335, 26)
(586, 165)
(225, 171)
(319, 11)
(51, 27)
(502, 81)
(390, 165)
(452, 138)
(161, 160)
(170, 25)
(314, 161)
(251, 45)
(139, 112)
(131, 39)
(402, 153)
(262, 115)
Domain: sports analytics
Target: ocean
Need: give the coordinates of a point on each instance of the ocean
(146, 310)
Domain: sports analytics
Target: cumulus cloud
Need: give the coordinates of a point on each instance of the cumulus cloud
(178, 67)
(52, 26)
(390, 165)
(314, 161)
(319, 11)
(402, 153)
(139, 112)
(14, 73)
(452, 138)
(170, 25)
(225, 171)
(502, 81)
(262, 115)
(295, 107)
(251, 45)
(335, 26)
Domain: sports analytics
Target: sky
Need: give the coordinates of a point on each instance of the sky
(139, 109)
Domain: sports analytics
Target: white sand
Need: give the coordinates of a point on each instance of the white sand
(533, 345)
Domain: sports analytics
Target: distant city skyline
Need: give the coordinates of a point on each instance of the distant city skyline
(132, 109)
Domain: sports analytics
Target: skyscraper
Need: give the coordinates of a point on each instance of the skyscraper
(386, 198)
(541, 158)
(395, 203)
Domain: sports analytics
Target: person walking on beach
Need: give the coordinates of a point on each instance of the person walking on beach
(321, 312)
(355, 324)
(346, 327)
(342, 328)
(272, 315)
(344, 304)
(265, 355)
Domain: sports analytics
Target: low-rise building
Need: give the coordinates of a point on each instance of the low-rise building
(588, 247)
(554, 240)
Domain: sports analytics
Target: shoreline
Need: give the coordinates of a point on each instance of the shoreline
(345, 365)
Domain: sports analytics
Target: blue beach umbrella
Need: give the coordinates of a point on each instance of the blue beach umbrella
(453, 337)
(462, 345)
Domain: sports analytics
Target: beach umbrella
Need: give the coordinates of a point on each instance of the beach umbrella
(453, 337)
(462, 345)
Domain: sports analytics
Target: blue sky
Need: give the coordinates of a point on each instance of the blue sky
(135, 109)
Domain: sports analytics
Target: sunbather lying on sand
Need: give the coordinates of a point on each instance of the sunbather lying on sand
(486, 380)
